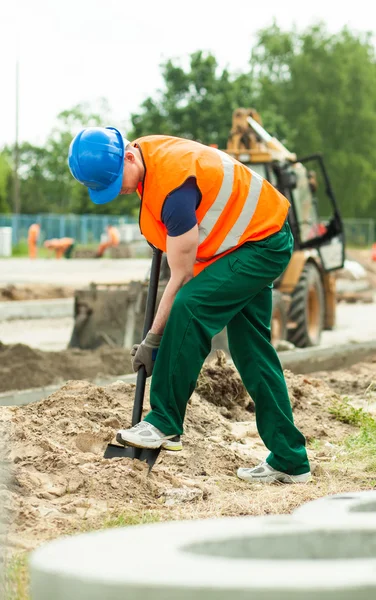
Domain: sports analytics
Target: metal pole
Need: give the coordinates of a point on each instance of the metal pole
(16, 182)
(149, 317)
(371, 229)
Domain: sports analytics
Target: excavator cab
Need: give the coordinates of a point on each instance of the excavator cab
(309, 204)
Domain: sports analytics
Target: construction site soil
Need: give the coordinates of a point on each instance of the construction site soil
(22, 367)
(35, 291)
(59, 483)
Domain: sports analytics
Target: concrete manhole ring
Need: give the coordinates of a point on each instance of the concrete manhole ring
(268, 558)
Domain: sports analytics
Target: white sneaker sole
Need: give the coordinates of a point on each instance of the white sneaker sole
(173, 445)
(134, 440)
(277, 477)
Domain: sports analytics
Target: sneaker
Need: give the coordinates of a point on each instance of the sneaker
(142, 435)
(173, 444)
(266, 474)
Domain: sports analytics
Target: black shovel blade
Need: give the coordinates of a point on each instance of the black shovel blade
(148, 455)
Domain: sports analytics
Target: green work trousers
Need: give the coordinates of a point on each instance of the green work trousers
(234, 291)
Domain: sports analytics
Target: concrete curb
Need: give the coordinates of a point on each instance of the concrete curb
(36, 309)
(263, 558)
(309, 360)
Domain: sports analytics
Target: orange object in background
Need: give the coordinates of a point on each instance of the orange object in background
(373, 253)
(32, 239)
(113, 239)
(60, 246)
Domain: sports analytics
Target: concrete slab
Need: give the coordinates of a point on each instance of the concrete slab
(354, 322)
(36, 309)
(43, 334)
(263, 558)
(75, 272)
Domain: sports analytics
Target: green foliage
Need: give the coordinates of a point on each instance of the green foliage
(5, 174)
(16, 583)
(196, 103)
(346, 413)
(316, 92)
(361, 446)
(126, 519)
(323, 88)
(20, 249)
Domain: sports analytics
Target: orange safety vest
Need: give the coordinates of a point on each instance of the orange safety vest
(237, 205)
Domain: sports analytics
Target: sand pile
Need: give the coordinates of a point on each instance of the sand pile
(60, 482)
(36, 291)
(220, 384)
(22, 367)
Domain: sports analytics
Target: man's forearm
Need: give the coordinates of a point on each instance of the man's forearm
(165, 305)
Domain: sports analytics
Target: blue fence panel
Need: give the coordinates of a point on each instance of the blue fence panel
(85, 229)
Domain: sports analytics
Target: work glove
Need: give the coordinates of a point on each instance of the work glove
(146, 353)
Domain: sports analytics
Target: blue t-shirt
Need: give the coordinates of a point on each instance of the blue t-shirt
(179, 209)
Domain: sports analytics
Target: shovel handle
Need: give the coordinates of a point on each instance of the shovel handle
(149, 316)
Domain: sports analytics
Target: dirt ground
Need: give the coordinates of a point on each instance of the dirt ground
(60, 483)
(22, 367)
(356, 383)
(36, 291)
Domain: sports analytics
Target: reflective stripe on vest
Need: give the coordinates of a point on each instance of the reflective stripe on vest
(215, 211)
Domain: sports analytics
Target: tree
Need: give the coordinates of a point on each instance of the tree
(322, 89)
(196, 103)
(316, 92)
(5, 173)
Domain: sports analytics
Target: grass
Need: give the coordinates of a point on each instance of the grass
(361, 446)
(314, 444)
(16, 580)
(21, 250)
(127, 519)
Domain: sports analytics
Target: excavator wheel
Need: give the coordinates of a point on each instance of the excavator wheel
(279, 318)
(307, 309)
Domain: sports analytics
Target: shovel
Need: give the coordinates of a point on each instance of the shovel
(149, 455)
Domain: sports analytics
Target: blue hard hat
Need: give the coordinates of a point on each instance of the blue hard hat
(96, 159)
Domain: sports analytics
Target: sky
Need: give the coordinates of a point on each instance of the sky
(73, 51)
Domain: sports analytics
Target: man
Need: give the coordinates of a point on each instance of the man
(61, 246)
(113, 239)
(227, 239)
(32, 239)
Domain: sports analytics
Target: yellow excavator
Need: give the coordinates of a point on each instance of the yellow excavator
(304, 297)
